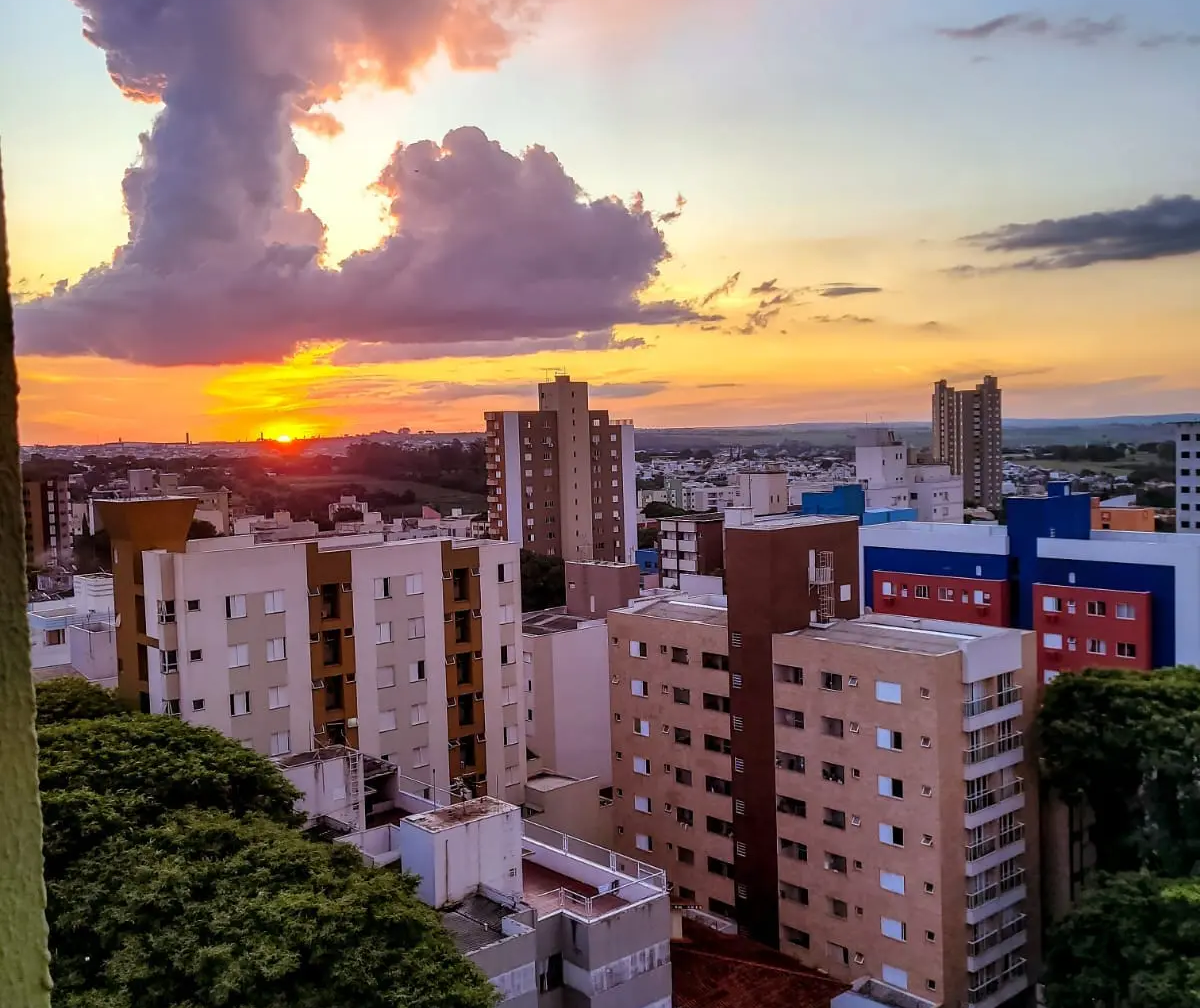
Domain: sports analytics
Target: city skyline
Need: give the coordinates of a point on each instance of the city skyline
(858, 188)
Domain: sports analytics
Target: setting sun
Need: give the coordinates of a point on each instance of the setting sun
(284, 438)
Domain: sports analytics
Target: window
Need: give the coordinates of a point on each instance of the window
(507, 654)
(832, 727)
(714, 702)
(196, 654)
(239, 703)
(789, 718)
(793, 849)
(683, 776)
(885, 738)
(383, 587)
(789, 761)
(281, 742)
(945, 594)
(235, 606)
(891, 835)
(681, 695)
(413, 584)
(1052, 641)
(276, 649)
(273, 601)
(791, 806)
(511, 735)
(1096, 646)
(637, 649)
(895, 976)
(893, 929)
(643, 842)
(421, 756)
(641, 727)
(833, 772)
(383, 633)
(891, 882)
(793, 893)
(1097, 608)
(720, 827)
(193, 605)
(1125, 610)
(1052, 604)
(887, 692)
(504, 572)
(639, 687)
(789, 674)
(419, 714)
(416, 628)
(1125, 650)
(416, 671)
(835, 818)
(679, 655)
(641, 765)
(683, 736)
(839, 953)
(921, 591)
(686, 855)
(507, 614)
(718, 867)
(831, 681)
(888, 589)
(835, 863)
(837, 907)
(277, 696)
(711, 660)
(794, 936)
(197, 705)
(890, 787)
(718, 785)
(239, 655)
(714, 743)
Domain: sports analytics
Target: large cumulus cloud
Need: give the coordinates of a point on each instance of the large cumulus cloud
(223, 263)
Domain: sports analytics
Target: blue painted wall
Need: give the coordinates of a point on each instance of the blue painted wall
(1061, 515)
(843, 500)
(930, 562)
(883, 516)
(647, 560)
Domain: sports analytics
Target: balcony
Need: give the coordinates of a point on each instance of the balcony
(993, 756)
(995, 944)
(988, 805)
(1000, 988)
(991, 899)
(990, 710)
(991, 851)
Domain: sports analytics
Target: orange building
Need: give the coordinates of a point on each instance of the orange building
(1122, 519)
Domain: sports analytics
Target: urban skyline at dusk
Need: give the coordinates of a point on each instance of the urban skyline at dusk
(819, 210)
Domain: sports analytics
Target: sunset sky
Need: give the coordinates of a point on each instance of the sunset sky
(879, 193)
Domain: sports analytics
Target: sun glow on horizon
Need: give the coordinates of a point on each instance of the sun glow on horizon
(284, 438)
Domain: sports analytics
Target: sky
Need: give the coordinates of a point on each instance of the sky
(358, 215)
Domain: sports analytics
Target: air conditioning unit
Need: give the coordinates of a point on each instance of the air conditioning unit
(352, 722)
(479, 696)
(313, 591)
(855, 821)
(314, 638)
(350, 677)
(853, 727)
(859, 958)
(475, 572)
(450, 701)
(480, 738)
(349, 631)
(318, 684)
(926, 840)
(346, 586)
(926, 742)
(475, 614)
(449, 659)
(616, 680)
(852, 680)
(478, 654)
(446, 575)
(926, 791)
(452, 744)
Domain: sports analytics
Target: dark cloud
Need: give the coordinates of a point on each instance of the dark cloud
(845, 290)
(379, 353)
(224, 264)
(843, 319)
(1162, 227)
(1078, 31)
(783, 298)
(721, 385)
(766, 287)
(673, 215)
(1169, 39)
(723, 290)
(628, 390)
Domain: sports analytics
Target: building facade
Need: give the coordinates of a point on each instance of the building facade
(47, 506)
(692, 545)
(891, 478)
(561, 479)
(408, 650)
(967, 436)
(1187, 477)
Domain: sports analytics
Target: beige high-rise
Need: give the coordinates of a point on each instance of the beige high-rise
(967, 436)
(561, 479)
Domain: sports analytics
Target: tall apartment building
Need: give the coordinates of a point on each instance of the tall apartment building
(47, 505)
(691, 545)
(562, 479)
(856, 791)
(405, 649)
(967, 436)
(1187, 477)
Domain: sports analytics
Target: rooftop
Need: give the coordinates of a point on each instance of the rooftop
(550, 621)
(454, 815)
(901, 633)
(712, 610)
(770, 523)
(549, 891)
(548, 780)
(476, 923)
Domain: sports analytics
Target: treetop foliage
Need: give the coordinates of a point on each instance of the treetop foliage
(73, 698)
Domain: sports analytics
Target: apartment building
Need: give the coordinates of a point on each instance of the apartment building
(1093, 596)
(1187, 477)
(891, 477)
(47, 506)
(406, 650)
(691, 545)
(851, 790)
(967, 437)
(561, 479)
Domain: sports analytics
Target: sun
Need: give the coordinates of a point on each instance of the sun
(284, 438)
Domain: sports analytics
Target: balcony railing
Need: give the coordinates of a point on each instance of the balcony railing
(989, 845)
(988, 893)
(989, 987)
(979, 802)
(995, 937)
(989, 750)
(1005, 698)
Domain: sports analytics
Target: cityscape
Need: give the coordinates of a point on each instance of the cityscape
(460, 550)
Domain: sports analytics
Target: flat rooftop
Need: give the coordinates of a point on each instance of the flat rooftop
(712, 610)
(452, 815)
(900, 633)
(769, 523)
(550, 621)
(475, 923)
(547, 780)
(544, 891)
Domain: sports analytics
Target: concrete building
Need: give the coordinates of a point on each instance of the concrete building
(562, 478)
(967, 436)
(76, 634)
(550, 919)
(1093, 597)
(691, 545)
(211, 506)
(1187, 477)
(1122, 517)
(851, 790)
(891, 477)
(406, 650)
(47, 506)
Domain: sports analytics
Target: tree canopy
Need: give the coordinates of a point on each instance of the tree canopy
(543, 582)
(73, 698)
(177, 877)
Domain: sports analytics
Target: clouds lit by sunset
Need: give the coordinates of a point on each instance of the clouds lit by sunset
(367, 215)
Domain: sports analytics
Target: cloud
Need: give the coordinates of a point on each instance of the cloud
(1169, 39)
(845, 290)
(724, 289)
(844, 319)
(721, 385)
(1162, 227)
(1082, 31)
(766, 287)
(224, 264)
(673, 215)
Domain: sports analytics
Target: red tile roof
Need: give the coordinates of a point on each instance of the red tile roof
(714, 970)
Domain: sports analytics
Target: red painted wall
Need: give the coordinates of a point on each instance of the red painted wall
(1074, 625)
(960, 606)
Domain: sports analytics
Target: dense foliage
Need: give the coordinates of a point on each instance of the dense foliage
(543, 583)
(73, 698)
(177, 878)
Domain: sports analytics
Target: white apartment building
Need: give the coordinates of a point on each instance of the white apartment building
(77, 634)
(406, 650)
(884, 468)
(1187, 477)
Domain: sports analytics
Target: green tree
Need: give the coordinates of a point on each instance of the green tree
(648, 538)
(200, 529)
(206, 909)
(346, 514)
(72, 698)
(1166, 451)
(1128, 744)
(656, 509)
(1133, 941)
(543, 582)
